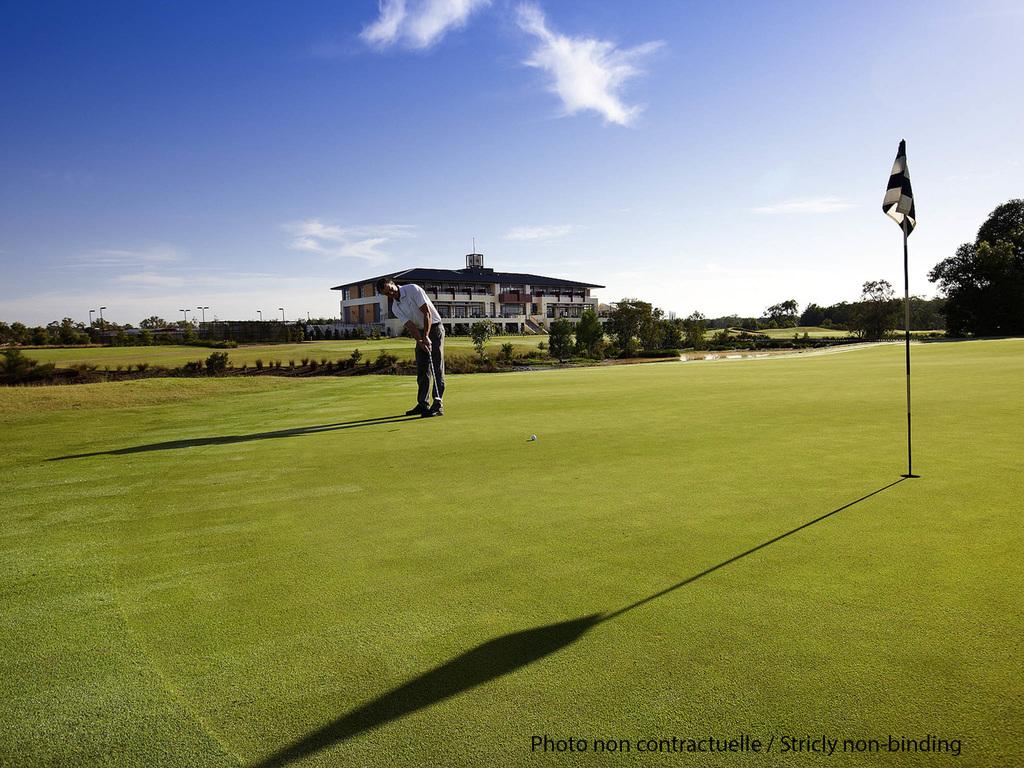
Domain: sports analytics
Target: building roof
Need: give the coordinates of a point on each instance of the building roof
(469, 275)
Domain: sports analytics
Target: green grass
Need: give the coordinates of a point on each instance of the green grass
(176, 355)
(815, 332)
(224, 591)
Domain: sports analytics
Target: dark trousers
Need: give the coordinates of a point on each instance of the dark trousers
(423, 366)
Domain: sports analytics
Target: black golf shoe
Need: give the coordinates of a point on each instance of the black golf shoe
(419, 410)
(437, 409)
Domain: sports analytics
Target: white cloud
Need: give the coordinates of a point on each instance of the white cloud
(541, 233)
(335, 242)
(121, 258)
(419, 24)
(811, 206)
(150, 278)
(586, 73)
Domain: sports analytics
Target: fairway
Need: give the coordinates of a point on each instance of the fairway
(268, 571)
(172, 355)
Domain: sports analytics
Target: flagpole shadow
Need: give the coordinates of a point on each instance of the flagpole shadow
(488, 661)
(197, 442)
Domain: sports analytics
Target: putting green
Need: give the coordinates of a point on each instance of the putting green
(245, 572)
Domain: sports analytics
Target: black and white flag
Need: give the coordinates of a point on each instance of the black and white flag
(898, 203)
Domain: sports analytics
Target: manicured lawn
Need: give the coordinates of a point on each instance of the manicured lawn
(816, 332)
(214, 572)
(174, 355)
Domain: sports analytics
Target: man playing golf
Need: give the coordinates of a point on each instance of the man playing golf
(411, 305)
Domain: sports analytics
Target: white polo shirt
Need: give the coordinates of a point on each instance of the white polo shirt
(407, 306)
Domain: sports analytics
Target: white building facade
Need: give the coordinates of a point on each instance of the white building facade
(514, 301)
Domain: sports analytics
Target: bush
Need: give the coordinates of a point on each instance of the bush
(542, 346)
(15, 368)
(385, 360)
(217, 363)
(142, 367)
(356, 356)
(259, 364)
(193, 366)
(507, 351)
(305, 362)
(291, 363)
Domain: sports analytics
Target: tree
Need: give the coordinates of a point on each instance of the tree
(19, 333)
(875, 316)
(813, 315)
(983, 282)
(671, 333)
(153, 323)
(481, 333)
(560, 340)
(589, 333)
(694, 328)
(67, 331)
(634, 324)
(784, 314)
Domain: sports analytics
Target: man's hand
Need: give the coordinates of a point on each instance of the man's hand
(425, 344)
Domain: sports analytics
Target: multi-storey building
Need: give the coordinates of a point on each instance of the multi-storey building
(516, 302)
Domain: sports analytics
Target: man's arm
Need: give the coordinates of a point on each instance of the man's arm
(426, 326)
(410, 326)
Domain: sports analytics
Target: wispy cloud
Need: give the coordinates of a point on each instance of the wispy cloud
(808, 206)
(334, 242)
(150, 279)
(130, 257)
(540, 233)
(418, 24)
(586, 73)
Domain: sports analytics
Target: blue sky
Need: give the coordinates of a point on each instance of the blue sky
(708, 156)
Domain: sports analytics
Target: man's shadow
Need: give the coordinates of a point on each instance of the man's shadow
(489, 661)
(196, 442)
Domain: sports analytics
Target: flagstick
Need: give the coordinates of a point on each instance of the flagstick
(906, 329)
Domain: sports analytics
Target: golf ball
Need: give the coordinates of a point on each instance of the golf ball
(532, 438)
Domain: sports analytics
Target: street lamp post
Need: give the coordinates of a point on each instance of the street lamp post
(203, 310)
(91, 313)
(282, 313)
(101, 316)
(184, 312)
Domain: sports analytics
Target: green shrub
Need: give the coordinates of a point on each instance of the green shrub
(15, 368)
(385, 360)
(217, 363)
(259, 364)
(356, 356)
